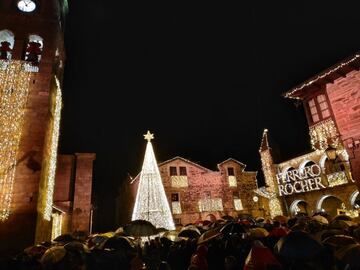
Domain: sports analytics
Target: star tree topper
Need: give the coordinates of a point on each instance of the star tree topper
(148, 136)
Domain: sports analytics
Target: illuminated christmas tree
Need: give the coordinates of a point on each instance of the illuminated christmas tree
(151, 203)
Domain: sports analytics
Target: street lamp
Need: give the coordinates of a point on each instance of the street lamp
(331, 153)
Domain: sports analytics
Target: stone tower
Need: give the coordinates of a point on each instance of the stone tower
(268, 168)
(31, 67)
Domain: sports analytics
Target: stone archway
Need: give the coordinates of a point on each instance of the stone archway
(298, 206)
(355, 200)
(329, 204)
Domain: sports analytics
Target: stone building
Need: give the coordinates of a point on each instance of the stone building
(197, 193)
(32, 60)
(326, 178)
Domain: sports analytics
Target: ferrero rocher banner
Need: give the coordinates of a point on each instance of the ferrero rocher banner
(300, 180)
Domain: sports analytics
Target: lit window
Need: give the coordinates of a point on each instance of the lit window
(325, 112)
(182, 171)
(313, 111)
(34, 49)
(6, 44)
(175, 203)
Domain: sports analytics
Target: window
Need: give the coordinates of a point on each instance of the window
(319, 108)
(230, 171)
(177, 221)
(231, 177)
(173, 171)
(175, 203)
(236, 194)
(313, 111)
(182, 171)
(34, 49)
(324, 108)
(174, 197)
(6, 44)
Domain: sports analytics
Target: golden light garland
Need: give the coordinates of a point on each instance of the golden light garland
(267, 167)
(14, 90)
(337, 179)
(57, 225)
(210, 205)
(323, 135)
(179, 181)
(52, 150)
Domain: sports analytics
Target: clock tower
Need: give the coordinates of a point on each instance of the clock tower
(31, 67)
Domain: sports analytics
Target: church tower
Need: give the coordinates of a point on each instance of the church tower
(268, 169)
(31, 67)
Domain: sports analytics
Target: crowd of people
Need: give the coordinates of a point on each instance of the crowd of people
(300, 242)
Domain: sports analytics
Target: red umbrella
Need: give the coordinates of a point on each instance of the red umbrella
(260, 258)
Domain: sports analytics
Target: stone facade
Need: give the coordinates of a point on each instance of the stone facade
(332, 105)
(26, 221)
(196, 193)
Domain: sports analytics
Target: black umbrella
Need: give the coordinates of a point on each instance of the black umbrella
(297, 246)
(342, 217)
(64, 238)
(232, 228)
(118, 242)
(190, 232)
(336, 242)
(228, 218)
(349, 256)
(139, 228)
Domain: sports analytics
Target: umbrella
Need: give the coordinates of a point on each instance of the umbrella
(119, 231)
(173, 236)
(79, 235)
(320, 236)
(64, 238)
(281, 219)
(139, 228)
(279, 232)
(258, 232)
(190, 232)
(349, 255)
(228, 218)
(321, 219)
(208, 235)
(260, 219)
(206, 223)
(342, 217)
(211, 217)
(96, 240)
(233, 227)
(338, 241)
(161, 230)
(118, 242)
(53, 255)
(260, 257)
(35, 251)
(297, 246)
(342, 224)
(76, 246)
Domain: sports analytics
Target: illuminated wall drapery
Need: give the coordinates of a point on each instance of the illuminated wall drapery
(14, 90)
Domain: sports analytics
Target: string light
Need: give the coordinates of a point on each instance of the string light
(52, 150)
(324, 134)
(14, 89)
(337, 179)
(176, 207)
(232, 181)
(290, 94)
(268, 169)
(57, 224)
(210, 205)
(151, 203)
(179, 181)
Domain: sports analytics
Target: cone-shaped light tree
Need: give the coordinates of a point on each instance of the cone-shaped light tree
(151, 203)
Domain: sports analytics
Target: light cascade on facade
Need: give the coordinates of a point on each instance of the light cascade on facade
(323, 135)
(151, 203)
(52, 149)
(14, 89)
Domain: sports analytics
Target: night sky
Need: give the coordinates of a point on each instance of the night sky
(206, 79)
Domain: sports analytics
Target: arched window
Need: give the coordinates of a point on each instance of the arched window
(7, 40)
(34, 49)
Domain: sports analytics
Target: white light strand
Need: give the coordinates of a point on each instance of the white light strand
(290, 93)
(151, 203)
(14, 90)
(54, 139)
(324, 134)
